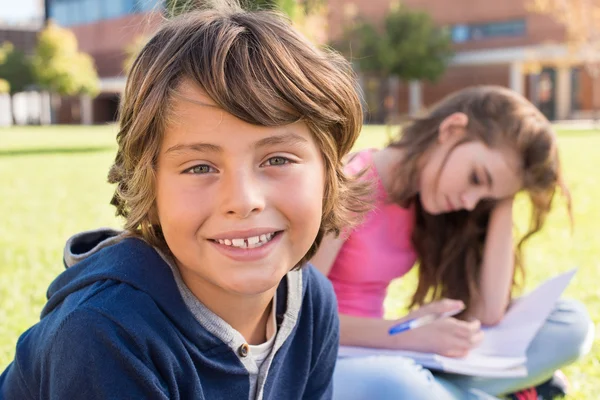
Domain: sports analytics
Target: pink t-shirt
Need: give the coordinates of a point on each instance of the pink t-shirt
(376, 252)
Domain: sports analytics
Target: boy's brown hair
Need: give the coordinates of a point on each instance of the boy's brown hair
(255, 66)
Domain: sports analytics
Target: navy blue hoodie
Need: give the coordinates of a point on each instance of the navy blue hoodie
(120, 324)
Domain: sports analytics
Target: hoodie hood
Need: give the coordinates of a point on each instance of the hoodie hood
(107, 256)
(84, 244)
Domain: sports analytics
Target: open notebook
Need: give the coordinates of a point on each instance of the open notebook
(503, 350)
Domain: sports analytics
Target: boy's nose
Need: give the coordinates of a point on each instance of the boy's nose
(243, 195)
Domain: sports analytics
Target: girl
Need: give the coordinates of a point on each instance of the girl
(205, 295)
(444, 198)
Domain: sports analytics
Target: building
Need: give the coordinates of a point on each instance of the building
(496, 42)
(23, 37)
(105, 29)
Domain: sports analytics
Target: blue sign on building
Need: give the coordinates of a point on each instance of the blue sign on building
(79, 12)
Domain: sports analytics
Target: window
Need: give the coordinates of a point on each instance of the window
(146, 5)
(76, 12)
(60, 11)
(460, 33)
(463, 32)
(90, 11)
(113, 9)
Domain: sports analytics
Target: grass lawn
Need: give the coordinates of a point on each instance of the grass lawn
(53, 185)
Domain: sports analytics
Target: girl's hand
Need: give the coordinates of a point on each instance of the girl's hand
(448, 337)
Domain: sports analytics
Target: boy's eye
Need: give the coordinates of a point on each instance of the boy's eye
(475, 179)
(274, 161)
(199, 169)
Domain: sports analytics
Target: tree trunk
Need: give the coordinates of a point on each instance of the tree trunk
(390, 102)
(595, 99)
(55, 102)
(12, 110)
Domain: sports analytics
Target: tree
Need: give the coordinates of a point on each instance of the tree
(4, 85)
(60, 68)
(581, 20)
(409, 46)
(16, 68)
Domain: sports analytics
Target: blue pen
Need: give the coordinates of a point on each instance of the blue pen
(417, 322)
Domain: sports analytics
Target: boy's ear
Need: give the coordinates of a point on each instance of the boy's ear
(452, 125)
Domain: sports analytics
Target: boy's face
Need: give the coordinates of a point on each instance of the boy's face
(239, 204)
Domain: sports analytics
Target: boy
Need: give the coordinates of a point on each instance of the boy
(228, 175)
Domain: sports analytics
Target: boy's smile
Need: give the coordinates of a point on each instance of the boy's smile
(239, 204)
(250, 245)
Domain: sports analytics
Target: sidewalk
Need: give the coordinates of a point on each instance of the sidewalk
(583, 124)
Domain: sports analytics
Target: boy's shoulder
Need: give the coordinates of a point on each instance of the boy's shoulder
(128, 272)
(117, 315)
(319, 295)
(317, 284)
(126, 285)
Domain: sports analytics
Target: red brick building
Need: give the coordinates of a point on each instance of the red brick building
(105, 29)
(496, 42)
(24, 38)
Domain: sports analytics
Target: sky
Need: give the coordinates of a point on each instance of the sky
(19, 10)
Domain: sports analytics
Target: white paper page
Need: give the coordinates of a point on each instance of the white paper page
(475, 360)
(484, 372)
(473, 365)
(512, 336)
(480, 361)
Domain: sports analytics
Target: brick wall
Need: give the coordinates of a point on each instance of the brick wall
(456, 78)
(540, 29)
(106, 41)
(23, 39)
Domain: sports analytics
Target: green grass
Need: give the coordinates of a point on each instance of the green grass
(54, 184)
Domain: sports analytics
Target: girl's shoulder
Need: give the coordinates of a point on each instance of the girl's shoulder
(356, 162)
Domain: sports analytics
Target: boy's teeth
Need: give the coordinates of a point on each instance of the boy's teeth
(238, 242)
(251, 242)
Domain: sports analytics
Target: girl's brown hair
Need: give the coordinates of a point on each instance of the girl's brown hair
(255, 66)
(450, 246)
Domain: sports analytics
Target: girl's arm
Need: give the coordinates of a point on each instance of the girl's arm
(449, 337)
(327, 253)
(498, 267)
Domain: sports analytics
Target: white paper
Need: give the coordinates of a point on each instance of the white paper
(473, 364)
(503, 350)
(512, 336)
